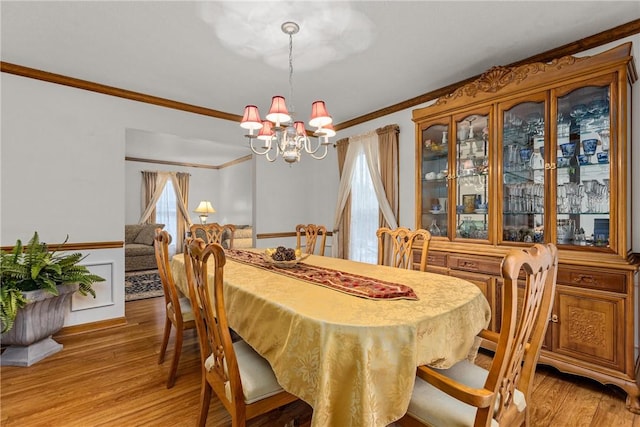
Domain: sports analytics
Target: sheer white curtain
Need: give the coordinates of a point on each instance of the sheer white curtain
(364, 213)
(368, 144)
(162, 179)
(167, 213)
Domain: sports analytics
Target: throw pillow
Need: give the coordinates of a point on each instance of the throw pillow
(131, 231)
(147, 234)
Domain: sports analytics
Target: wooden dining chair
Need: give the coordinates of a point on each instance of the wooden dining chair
(311, 233)
(241, 378)
(213, 233)
(468, 395)
(177, 306)
(395, 247)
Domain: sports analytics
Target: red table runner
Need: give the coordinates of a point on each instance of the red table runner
(352, 284)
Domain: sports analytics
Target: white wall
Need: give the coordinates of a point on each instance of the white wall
(229, 189)
(234, 203)
(63, 171)
(287, 195)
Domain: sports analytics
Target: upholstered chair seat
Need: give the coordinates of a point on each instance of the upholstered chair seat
(256, 375)
(432, 406)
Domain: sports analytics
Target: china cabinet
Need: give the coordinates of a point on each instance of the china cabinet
(541, 153)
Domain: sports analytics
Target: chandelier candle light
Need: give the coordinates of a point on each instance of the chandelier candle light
(277, 131)
(204, 209)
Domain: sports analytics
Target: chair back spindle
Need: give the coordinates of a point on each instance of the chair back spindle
(395, 247)
(311, 233)
(213, 233)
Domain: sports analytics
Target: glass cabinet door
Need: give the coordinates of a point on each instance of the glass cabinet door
(523, 178)
(472, 176)
(435, 182)
(582, 167)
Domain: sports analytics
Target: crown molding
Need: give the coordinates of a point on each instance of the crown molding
(190, 165)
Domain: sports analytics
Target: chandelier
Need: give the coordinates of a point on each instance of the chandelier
(278, 136)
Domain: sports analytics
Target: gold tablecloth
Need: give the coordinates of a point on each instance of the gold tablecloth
(352, 359)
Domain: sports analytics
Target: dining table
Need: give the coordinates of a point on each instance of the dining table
(346, 336)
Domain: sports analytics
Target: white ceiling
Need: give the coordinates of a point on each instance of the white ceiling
(166, 49)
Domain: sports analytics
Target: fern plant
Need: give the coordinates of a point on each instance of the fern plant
(36, 267)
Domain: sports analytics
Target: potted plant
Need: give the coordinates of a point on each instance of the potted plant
(36, 285)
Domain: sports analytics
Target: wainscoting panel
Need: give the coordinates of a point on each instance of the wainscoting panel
(104, 290)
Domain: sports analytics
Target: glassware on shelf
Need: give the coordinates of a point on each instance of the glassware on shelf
(568, 149)
(466, 228)
(537, 161)
(525, 155)
(603, 157)
(512, 155)
(434, 229)
(565, 230)
(591, 189)
(604, 139)
(564, 124)
(589, 147)
(575, 194)
(535, 122)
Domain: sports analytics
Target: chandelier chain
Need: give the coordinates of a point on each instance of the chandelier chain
(291, 73)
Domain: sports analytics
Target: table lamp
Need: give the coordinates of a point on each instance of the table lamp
(204, 209)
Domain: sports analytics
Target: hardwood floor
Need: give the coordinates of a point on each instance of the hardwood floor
(111, 378)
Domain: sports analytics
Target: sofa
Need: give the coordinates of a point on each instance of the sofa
(139, 252)
(242, 238)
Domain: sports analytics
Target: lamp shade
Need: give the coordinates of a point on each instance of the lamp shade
(266, 133)
(326, 130)
(205, 207)
(319, 115)
(299, 127)
(278, 112)
(251, 118)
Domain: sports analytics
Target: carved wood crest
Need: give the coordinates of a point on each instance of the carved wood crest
(498, 77)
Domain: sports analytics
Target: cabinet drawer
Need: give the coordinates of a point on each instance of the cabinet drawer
(475, 264)
(437, 259)
(587, 277)
(434, 259)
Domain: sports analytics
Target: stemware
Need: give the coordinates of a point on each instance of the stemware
(535, 123)
(564, 124)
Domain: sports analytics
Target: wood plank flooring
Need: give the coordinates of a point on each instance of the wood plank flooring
(111, 378)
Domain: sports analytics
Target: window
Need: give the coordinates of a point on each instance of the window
(363, 243)
(167, 213)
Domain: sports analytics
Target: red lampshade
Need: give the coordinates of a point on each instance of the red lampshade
(278, 112)
(299, 127)
(251, 118)
(319, 115)
(326, 130)
(267, 130)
